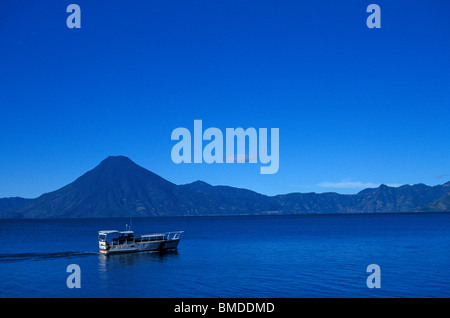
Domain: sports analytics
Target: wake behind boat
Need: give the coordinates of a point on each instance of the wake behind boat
(112, 241)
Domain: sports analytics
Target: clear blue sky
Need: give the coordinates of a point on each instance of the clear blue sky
(355, 106)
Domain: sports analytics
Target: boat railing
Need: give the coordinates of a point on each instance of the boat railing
(145, 238)
(173, 235)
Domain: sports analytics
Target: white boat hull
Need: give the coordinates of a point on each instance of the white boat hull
(140, 247)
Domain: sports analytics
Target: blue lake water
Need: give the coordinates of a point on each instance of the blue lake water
(233, 256)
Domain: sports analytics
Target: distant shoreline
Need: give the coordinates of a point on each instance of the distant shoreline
(237, 215)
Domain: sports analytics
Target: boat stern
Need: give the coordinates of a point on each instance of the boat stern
(105, 240)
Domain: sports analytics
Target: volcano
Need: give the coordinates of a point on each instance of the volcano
(118, 187)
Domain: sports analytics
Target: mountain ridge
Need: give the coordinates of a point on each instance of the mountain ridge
(118, 187)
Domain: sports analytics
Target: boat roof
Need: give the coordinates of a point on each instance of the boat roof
(126, 232)
(154, 234)
(108, 231)
(115, 231)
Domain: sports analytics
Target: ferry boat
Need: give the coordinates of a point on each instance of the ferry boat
(112, 241)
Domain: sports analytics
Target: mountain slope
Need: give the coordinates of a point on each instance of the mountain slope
(407, 198)
(118, 187)
(9, 205)
(442, 204)
(224, 200)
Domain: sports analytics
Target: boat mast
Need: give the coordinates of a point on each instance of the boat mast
(130, 222)
(128, 227)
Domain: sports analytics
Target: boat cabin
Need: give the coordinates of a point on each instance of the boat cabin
(116, 237)
(153, 237)
(127, 237)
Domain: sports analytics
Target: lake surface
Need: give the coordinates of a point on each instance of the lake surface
(233, 256)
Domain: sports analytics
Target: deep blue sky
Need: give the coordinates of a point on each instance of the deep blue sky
(355, 106)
